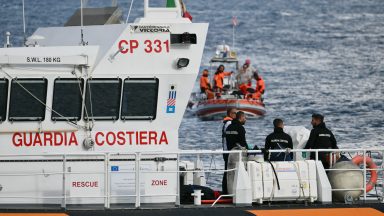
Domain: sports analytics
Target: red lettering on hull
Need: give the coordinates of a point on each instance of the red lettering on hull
(44, 139)
(88, 184)
(156, 182)
(62, 139)
(131, 138)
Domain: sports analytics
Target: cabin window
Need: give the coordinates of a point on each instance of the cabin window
(3, 98)
(139, 99)
(67, 99)
(28, 98)
(102, 99)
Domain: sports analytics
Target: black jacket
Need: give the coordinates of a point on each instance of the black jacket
(226, 122)
(235, 134)
(278, 140)
(321, 138)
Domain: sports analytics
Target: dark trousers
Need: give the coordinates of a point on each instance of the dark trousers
(224, 182)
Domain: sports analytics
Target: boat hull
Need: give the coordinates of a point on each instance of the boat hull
(216, 108)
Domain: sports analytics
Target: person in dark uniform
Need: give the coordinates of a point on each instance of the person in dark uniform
(321, 138)
(231, 114)
(235, 133)
(279, 140)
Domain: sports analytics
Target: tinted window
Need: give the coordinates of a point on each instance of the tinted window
(139, 99)
(102, 100)
(28, 97)
(67, 99)
(3, 98)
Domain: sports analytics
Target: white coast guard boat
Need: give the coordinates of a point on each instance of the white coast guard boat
(90, 118)
(76, 93)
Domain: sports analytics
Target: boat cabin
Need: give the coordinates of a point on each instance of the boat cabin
(77, 93)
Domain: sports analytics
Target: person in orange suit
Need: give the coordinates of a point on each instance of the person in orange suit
(205, 85)
(260, 88)
(260, 84)
(204, 82)
(219, 78)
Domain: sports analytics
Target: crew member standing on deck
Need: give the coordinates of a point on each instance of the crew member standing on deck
(235, 133)
(231, 114)
(321, 138)
(279, 140)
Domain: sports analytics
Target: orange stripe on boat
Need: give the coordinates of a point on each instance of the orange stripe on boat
(319, 212)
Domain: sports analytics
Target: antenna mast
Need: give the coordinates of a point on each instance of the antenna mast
(25, 36)
(81, 23)
(129, 11)
(234, 24)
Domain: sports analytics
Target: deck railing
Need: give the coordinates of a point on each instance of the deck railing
(138, 156)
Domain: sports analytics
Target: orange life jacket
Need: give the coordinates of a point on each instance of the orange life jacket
(204, 83)
(227, 118)
(260, 85)
(219, 78)
(256, 95)
(243, 88)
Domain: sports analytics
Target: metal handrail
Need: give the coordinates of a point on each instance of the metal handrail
(107, 157)
(221, 196)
